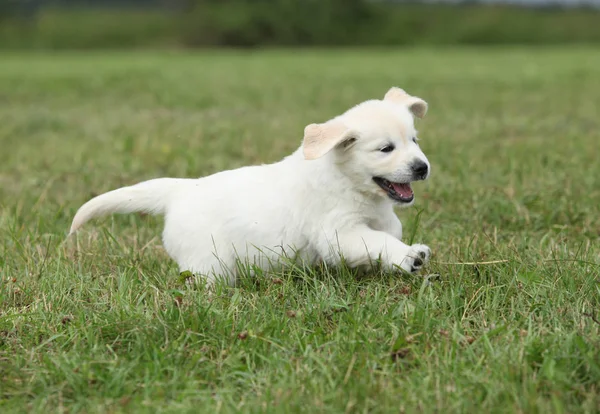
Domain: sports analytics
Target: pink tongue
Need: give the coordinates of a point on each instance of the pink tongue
(403, 190)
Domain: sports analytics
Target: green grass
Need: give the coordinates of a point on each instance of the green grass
(102, 324)
(95, 28)
(241, 23)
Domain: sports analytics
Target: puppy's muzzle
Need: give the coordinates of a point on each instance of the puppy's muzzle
(420, 170)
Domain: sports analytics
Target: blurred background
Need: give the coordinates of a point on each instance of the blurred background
(62, 24)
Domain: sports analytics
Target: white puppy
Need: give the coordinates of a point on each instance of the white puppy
(330, 200)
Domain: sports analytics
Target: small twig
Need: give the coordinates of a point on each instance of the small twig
(506, 261)
(472, 263)
(593, 317)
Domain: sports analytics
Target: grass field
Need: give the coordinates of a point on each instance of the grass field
(102, 324)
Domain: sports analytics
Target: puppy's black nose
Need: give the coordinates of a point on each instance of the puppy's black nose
(420, 169)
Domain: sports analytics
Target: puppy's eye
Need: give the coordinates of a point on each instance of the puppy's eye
(387, 148)
(415, 139)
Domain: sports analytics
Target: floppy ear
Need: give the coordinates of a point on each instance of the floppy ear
(319, 139)
(417, 106)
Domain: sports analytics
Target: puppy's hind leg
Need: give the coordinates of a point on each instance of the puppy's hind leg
(206, 272)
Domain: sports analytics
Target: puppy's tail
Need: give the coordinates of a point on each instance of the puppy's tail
(150, 196)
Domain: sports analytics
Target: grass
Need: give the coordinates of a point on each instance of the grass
(102, 323)
(240, 23)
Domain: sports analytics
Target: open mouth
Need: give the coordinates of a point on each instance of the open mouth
(396, 191)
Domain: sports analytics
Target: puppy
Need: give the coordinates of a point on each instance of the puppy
(331, 200)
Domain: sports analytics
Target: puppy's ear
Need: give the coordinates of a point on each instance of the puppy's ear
(417, 106)
(319, 139)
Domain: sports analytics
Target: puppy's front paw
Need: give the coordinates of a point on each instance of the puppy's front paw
(416, 258)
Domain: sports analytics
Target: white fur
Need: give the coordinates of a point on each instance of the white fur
(318, 204)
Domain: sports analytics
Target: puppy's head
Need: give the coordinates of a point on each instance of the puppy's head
(375, 144)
